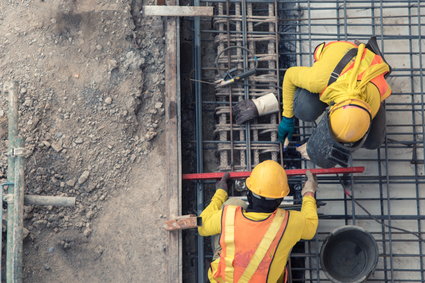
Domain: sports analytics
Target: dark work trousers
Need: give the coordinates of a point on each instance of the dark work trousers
(377, 130)
(308, 107)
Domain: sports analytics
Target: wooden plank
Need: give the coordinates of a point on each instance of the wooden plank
(173, 147)
(181, 223)
(178, 11)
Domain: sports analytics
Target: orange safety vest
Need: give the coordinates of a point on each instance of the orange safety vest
(368, 59)
(248, 246)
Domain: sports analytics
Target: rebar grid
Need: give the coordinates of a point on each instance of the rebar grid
(243, 19)
(392, 188)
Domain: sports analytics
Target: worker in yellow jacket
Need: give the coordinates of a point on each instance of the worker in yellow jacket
(348, 77)
(255, 240)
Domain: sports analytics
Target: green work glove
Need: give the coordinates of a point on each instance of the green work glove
(285, 129)
(222, 184)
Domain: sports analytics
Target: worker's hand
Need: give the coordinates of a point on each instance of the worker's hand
(302, 149)
(244, 111)
(310, 185)
(222, 184)
(285, 129)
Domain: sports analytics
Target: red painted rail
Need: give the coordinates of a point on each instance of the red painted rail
(245, 174)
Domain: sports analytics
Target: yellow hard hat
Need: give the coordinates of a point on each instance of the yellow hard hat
(350, 120)
(269, 180)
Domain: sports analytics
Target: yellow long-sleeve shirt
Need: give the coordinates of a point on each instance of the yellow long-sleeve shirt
(315, 79)
(301, 225)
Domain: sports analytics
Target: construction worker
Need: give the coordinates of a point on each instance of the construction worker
(348, 77)
(256, 239)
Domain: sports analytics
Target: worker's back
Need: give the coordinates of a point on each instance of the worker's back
(255, 233)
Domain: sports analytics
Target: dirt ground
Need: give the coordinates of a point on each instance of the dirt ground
(91, 76)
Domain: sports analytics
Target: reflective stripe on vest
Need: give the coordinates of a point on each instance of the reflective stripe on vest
(247, 252)
(368, 60)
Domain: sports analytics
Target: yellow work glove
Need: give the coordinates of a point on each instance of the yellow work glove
(310, 186)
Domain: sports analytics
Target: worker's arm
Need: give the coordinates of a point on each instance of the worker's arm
(211, 216)
(309, 207)
(309, 211)
(299, 77)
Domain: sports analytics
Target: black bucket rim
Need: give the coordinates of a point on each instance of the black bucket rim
(342, 229)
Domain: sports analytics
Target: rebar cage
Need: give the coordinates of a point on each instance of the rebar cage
(388, 199)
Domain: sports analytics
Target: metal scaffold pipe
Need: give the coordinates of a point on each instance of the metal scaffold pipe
(18, 215)
(49, 200)
(11, 266)
(15, 196)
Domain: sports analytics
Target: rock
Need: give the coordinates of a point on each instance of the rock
(46, 143)
(23, 90)
(78, 140)
(133, 157)
(46, 267)
(84, 176)
(112, 64)
(25, 233)
(57, 146)
(90, 188)
(158, 105)
(87, 232)
(108, 100)
(71, 182)
(133, 60)
(40, 224)
(66, 245)
(90, 214)
(99, 47)
(27, 102)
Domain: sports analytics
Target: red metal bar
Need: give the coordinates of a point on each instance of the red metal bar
(245, 174)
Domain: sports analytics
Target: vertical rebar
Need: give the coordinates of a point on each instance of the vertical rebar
(251, 47)
(245, 84)
(388, 194)
(271, 47)
(232, 150)
(422, 90)
(223, 116)
(381, 202)
(198, 132)
(279, 91)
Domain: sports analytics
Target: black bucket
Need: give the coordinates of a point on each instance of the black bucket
(349, 254)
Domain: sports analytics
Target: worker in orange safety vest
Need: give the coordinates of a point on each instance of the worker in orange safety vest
(255, 240)
(350, 79)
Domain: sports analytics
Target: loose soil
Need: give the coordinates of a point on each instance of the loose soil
(91, 77)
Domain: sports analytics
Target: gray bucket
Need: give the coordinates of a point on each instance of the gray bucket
(349, 254)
